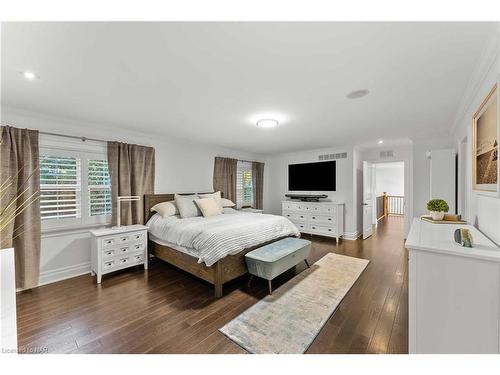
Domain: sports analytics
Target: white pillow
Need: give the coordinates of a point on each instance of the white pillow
(227, 203)
(209, 206)
(186, 206)
(228, 210)
(217, 196)
(166, 209)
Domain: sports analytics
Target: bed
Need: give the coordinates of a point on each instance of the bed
(198, 245)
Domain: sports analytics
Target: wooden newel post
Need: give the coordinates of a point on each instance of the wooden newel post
(386, 204)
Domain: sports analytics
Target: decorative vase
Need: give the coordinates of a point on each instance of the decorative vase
(437, 215)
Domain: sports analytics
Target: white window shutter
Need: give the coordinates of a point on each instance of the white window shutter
(60, 187)
(244, 185)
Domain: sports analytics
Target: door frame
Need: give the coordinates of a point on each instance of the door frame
(408, 185)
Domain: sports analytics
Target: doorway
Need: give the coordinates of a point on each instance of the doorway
(383, 194)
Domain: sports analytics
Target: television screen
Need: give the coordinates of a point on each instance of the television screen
(318, 176)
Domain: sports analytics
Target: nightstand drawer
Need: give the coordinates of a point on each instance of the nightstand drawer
(122, 239)
(125, 250)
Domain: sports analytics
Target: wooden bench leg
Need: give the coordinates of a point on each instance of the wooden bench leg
(270, 287)
(249, 281)
(307, 263)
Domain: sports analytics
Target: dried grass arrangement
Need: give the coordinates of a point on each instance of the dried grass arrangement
(12, 207)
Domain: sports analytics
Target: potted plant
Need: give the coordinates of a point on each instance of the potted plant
(437, 208)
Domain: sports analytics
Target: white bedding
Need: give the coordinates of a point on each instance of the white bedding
(215, 237)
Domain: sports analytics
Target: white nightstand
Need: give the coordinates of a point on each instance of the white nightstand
(254, 210)
(115, 249)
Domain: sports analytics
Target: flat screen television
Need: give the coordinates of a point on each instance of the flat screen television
(317, 176)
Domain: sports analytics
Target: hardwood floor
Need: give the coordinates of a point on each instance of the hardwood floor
(164, 310)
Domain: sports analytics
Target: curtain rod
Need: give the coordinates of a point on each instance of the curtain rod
(83, 139)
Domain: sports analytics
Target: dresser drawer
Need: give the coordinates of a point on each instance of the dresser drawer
(322, 229)
(295, 217)
(322, 219)
(302, 226)
(332, 210)
(313, 208)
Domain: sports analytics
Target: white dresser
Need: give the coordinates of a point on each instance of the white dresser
(323, 218)
(454, 291)
(115, 249)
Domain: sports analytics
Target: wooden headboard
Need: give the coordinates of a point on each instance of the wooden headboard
(151, 199)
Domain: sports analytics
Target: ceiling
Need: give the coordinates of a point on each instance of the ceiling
(210, 82)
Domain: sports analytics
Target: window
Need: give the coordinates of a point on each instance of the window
(244, 185)
(99, 188)
(59, 187)
(75, 187)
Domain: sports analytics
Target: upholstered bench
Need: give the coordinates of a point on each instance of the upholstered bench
(272, 260)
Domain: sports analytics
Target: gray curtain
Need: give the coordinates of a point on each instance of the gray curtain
(225, 170)
(258, 184)
(19, 202)
(132, 172)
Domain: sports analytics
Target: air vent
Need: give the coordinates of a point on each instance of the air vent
(386, 154)
(340, 155)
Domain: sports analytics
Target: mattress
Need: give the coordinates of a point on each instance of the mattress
(213, 238)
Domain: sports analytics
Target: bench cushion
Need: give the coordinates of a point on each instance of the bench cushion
(272, 260)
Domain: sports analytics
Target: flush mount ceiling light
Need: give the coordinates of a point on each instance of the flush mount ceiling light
(267, 123)
(380, 142)
(30, 76)
(357, 94)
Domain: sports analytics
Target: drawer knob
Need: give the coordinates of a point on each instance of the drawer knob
(329, 230)
(314, 227)
(330, 218)
(314, 217)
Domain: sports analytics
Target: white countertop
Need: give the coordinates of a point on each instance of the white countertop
(425, 236)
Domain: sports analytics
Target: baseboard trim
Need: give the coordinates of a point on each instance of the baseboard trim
(351, 236)
(63, 273)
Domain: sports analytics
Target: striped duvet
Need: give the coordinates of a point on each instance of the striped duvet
(214, 238)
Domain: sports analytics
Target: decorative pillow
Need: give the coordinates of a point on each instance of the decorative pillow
(217, 196)
(228, 210)
(186, 206)
(166, 209)
(227, 203)
(209, 207)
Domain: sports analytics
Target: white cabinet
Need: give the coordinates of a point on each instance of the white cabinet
(8, 322)
(115, 249)
(454, 292)
(323, 218)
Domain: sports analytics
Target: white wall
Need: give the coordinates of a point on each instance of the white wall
(181, 166)
(275, 182)
(389, 178)
(481, 210)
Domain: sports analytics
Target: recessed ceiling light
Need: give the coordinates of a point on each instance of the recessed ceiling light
(29, 75)
(357, 94)
(267, 123)
(380, 142)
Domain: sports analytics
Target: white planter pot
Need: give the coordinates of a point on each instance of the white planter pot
(8, 324)
(437, 215)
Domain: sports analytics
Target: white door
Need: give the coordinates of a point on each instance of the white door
(367, 199)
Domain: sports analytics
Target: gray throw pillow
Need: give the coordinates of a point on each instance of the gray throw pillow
(186, 206)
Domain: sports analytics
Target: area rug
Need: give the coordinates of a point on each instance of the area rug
(288, 320)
